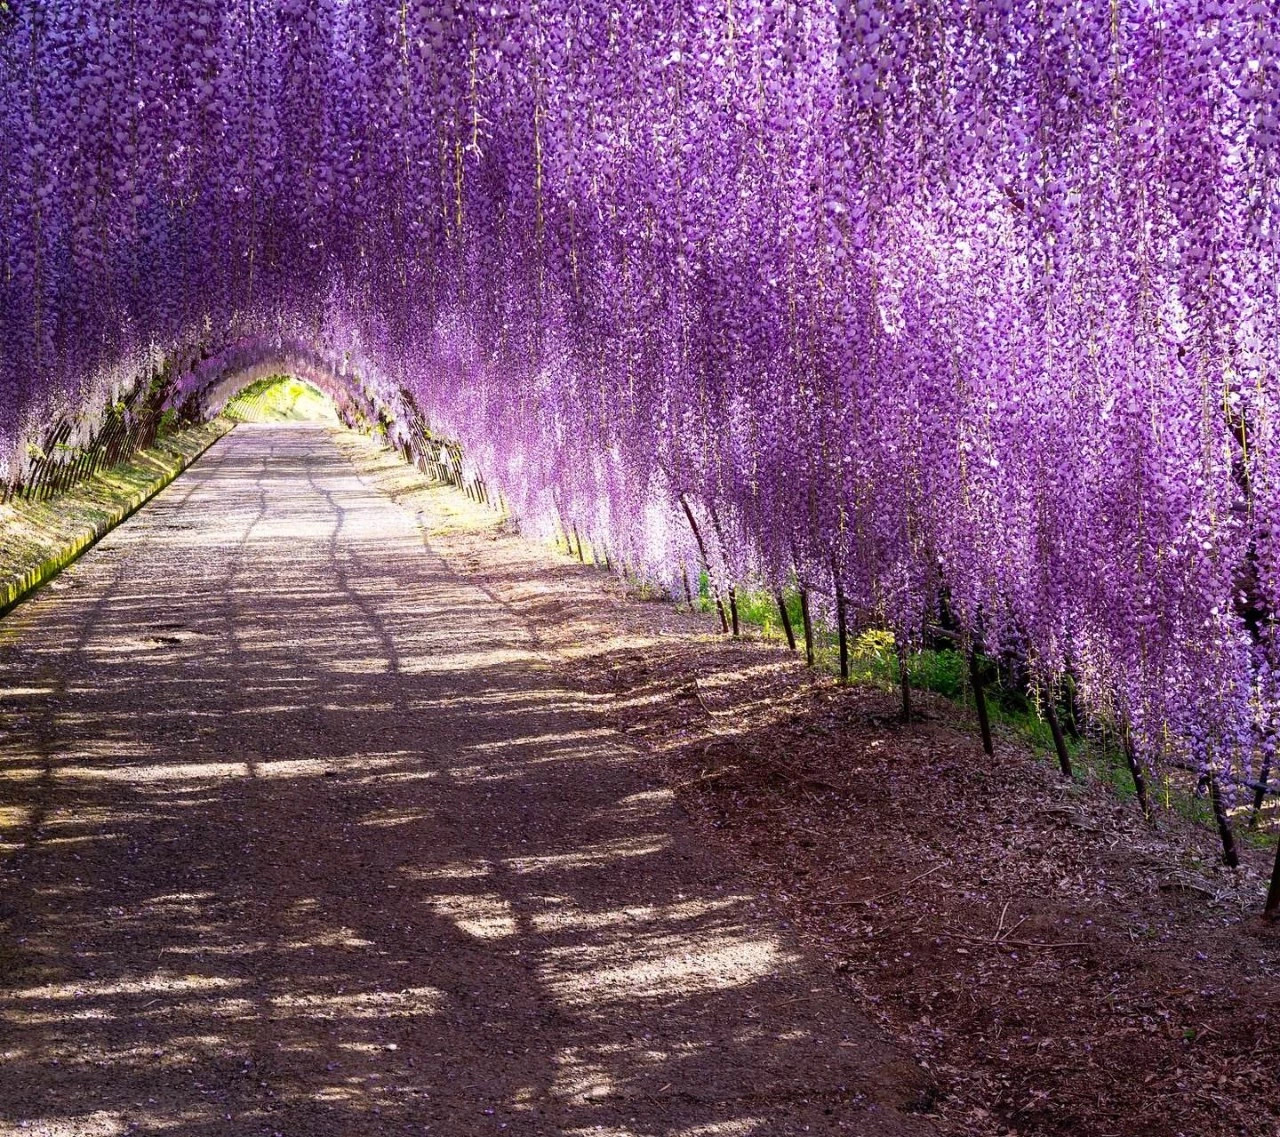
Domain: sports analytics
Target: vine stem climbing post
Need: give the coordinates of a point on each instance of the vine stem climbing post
(1135, 771)
(1229, 853)
(1260, 793)
(724, 548)
(904, 679)
(1272, 907)
(842, 629)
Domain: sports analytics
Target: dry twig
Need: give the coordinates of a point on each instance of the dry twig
(885, 895)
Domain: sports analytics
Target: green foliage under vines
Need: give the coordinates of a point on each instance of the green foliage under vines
(281, 398)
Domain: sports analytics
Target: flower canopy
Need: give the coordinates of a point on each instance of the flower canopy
(970, 303)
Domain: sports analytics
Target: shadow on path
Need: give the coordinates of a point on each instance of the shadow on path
(303, 836)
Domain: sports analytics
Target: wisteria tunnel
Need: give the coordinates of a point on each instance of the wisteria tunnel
(666, 568)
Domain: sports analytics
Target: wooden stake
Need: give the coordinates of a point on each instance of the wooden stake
(809, 655)
(1135, 770)
(980, 701)
(841, 627)
(1229, 854)
(1059, 742)
(786, 622)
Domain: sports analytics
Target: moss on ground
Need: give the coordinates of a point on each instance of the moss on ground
(38, 539)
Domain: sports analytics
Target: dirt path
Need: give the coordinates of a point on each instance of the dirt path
(303, 834)
(1133, 990)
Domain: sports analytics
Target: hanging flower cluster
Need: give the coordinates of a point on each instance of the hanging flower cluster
(964, 303)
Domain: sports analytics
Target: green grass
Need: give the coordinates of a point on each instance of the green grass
(38, 539)
(944, 671)
(281, 398)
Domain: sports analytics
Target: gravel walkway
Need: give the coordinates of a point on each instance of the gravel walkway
(301, 833)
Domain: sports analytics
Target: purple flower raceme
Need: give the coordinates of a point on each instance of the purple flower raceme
(970, 303)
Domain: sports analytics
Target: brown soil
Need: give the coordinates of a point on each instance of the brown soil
(308, 829)
(1059, 966)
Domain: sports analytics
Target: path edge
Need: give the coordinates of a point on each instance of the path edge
(17, 589)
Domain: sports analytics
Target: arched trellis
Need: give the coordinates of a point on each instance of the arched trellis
(975, 308)
(199, 390)
(194, 386)
(363, 400)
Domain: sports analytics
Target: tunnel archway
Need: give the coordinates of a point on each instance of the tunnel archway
(195, 385)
